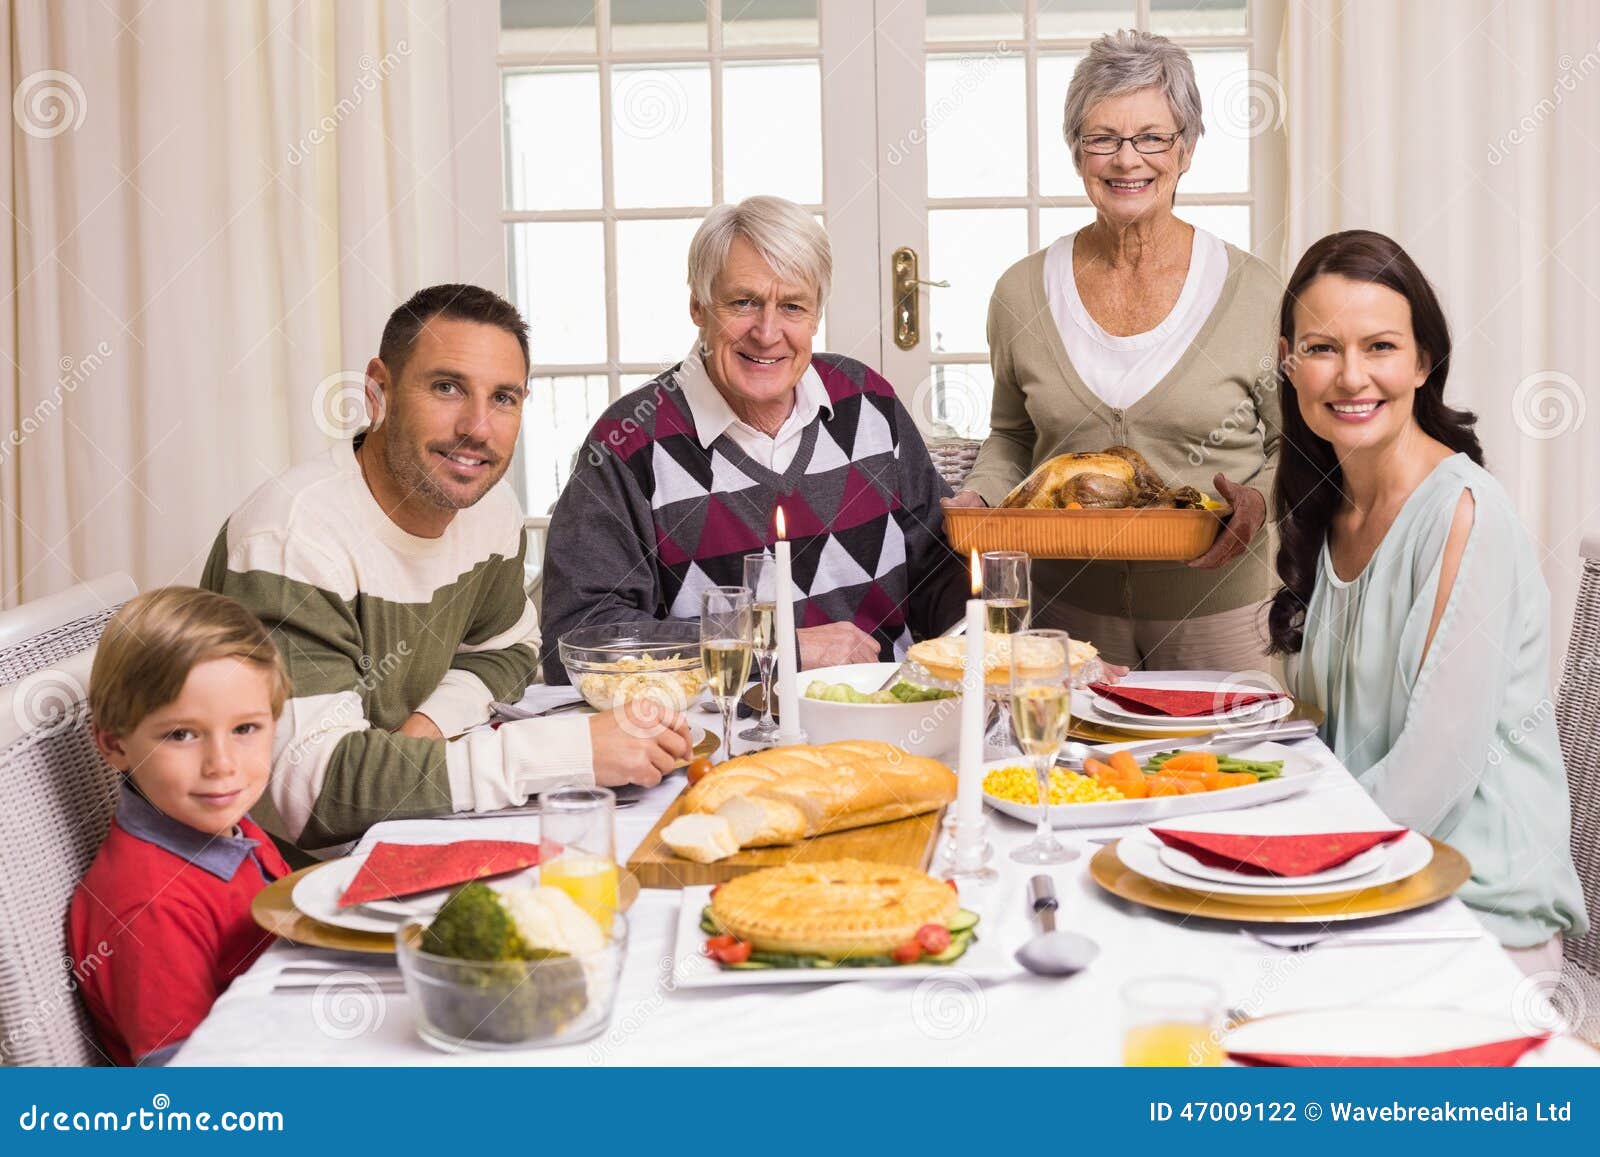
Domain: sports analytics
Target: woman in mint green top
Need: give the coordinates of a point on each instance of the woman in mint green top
(1413, 608)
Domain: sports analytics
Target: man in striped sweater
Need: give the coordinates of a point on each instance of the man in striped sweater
(390, 573)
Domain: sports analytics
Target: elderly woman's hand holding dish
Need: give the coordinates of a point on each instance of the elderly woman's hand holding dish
(1141, 331)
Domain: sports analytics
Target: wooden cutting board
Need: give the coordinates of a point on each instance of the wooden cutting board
(909, 842)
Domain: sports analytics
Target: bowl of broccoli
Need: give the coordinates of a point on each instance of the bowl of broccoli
(476, 981)
(846, 703)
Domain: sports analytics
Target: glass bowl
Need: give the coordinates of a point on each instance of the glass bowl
(475, 1004)
(616, 663)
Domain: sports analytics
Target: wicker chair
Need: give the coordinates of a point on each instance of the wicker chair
(1578, 722)
(57, 797)
(954, 458)
(37, 634)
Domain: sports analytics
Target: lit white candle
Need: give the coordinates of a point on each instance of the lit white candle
(783, 628)
(974, 702)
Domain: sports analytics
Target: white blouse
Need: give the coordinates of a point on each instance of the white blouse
(1121, 370)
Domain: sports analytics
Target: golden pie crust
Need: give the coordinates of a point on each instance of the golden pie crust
(835, 908)
(945, 657)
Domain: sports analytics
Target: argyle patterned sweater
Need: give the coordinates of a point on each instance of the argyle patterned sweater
(650, 518)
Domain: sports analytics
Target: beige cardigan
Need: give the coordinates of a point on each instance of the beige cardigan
(1216, 410)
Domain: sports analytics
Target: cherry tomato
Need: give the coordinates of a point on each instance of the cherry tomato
(698, 770)
(735, 952)
(908, 953)
(953, 887)
(933, 938)
(717, 943)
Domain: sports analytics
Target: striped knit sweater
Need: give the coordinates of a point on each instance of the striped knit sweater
(651, 518)
(374, 624)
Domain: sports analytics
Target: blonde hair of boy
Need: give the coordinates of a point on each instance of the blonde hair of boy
(149, 647)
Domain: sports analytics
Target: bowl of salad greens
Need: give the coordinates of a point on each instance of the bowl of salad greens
(847, 703)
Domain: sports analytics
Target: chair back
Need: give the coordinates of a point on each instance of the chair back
(45, 631)
(954, 458)
(57, 797)
(1578, 723)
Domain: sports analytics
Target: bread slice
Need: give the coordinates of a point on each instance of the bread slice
(703, 839)
(804, 791)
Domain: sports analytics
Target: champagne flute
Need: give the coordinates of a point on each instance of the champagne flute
(1041, 707)
(1006, 609)
(725, 627)
(761, 575)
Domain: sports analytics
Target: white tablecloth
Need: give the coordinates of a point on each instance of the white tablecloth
(947, 1021)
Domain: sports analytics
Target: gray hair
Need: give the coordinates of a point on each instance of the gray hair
(787, 237)
(1127, 61)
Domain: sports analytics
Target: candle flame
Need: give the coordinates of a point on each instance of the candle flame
(977, 576)
(781, 531)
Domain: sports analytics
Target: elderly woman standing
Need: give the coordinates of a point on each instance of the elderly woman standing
(681, 478)
(1144, 331)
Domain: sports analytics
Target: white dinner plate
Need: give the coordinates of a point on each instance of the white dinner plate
(1002, 928)
(317, 895)
(1108, 706)
(1394, 1032)
(1299, 771)
(1366, 863)
(1142, 852)
(1086, 706)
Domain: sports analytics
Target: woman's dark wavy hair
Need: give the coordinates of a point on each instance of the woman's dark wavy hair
(1310, 482)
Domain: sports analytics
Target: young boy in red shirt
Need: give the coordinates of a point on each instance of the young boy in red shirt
(184, 690)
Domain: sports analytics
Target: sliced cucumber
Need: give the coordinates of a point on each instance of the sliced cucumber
(747, 965)
(964, 921)
(958, 948)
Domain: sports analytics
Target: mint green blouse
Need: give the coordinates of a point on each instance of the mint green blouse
(1462, 747)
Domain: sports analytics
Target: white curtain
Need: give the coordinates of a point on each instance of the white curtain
(211, 208)
(1468, 131)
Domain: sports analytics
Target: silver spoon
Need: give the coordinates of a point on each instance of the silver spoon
(1053, 952)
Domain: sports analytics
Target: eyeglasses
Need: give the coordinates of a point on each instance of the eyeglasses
(1106, 144)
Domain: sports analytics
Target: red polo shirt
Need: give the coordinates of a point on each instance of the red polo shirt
(160, 925)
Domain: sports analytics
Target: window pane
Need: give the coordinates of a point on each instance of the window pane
(1054, 223)
(1083, 18)
(975, 19)
(1057, 177)
(1197, 17)
(553, 113)
(653, 290)
(976, 126)
(746, 22)
(556, 417)
(657, 24)
(661, 146)
(970, 248)
(772, 130)
(1230, 222)
(954, 401)
(547, 26)
(1237, 104)
(558, 277)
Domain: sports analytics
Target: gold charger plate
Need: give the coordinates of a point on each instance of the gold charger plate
(273, 909)
(1443, 876)
(1093, 732)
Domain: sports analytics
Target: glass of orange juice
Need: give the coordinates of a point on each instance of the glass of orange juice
(1171, 1021)
(577, 848)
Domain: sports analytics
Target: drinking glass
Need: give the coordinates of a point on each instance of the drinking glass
(578, 847)
(1006, 610)
(760, 575)
(726, 620)
(1041, 708)
(1171, 1021)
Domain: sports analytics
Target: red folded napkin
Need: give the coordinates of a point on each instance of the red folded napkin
(405, 869)
(1180, 704)
(1302, 855)
(1496, 1054)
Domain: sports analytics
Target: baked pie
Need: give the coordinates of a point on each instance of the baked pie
(945, 657)
(836, 908)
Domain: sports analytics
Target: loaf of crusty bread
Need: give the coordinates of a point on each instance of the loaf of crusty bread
(807, 791)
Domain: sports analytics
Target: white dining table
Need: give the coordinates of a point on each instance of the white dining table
(945, 1020)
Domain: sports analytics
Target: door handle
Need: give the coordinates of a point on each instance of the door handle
(907, 297)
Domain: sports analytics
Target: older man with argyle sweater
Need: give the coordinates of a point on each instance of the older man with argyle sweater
(680, 479)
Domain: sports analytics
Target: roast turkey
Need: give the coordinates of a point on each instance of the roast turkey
(1117, 477)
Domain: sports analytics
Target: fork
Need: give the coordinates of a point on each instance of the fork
(1304, 942)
